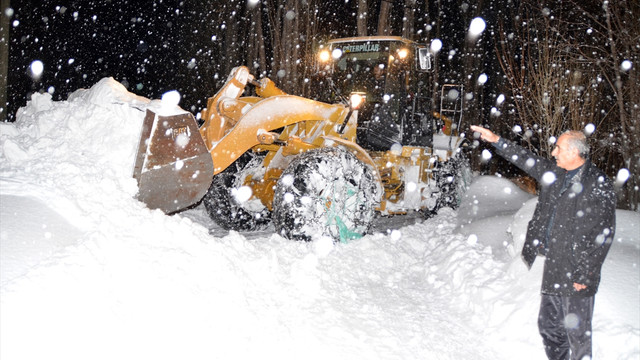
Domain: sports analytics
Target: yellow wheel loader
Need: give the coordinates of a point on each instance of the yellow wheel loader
(287, 160)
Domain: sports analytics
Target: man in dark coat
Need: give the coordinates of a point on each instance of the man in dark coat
(573, 227)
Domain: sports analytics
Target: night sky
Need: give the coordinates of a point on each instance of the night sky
(145, 44)
(80, 42)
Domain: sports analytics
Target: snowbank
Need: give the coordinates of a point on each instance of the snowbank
(89, 272)
(486, 212)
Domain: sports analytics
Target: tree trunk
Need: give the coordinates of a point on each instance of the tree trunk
(256, 56)
(435, 86)
(472, 66)
(408, 20)
(232, 51)
(4, 58)
(363, 10)
(290, 47)
(310, 30)
(383, 18)
(275, 26)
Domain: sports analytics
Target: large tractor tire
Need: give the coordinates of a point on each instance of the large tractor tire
(327, 192)
(226, 208)
(454, 178)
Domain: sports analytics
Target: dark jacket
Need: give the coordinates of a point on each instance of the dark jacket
(573, 224)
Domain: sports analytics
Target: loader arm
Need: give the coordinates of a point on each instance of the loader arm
(266, 115)
(224, 108)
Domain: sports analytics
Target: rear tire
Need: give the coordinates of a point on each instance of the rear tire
(453, 181)
(327, 192)
(222, 204)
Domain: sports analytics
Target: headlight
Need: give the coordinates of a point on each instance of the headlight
(402, 53)
(324, 55)
(356, 100)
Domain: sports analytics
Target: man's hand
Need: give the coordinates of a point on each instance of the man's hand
(579, 287)
(485, 134)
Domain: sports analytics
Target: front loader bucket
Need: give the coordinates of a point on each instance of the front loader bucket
(173, 166)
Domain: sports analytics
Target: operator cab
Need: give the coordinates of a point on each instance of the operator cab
(395, 75)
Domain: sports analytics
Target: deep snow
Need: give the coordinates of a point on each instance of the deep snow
(88, 272)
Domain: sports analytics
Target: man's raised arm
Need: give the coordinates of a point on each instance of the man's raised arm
(485, 134)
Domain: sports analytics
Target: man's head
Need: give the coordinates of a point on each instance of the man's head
(378, 71)
(571, 150)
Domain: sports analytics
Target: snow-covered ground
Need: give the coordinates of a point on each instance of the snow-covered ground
(88, 272)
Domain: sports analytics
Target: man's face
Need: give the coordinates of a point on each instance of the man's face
(378, 71)
(566, 158)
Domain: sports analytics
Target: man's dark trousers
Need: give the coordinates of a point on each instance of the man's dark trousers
(565, 325)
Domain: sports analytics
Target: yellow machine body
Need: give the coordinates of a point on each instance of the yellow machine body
(275, 123)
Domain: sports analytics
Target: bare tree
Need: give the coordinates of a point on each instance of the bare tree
(4, 57)
(566, 70)
(231, 39)
(363, 17)
(311, 28)
(290, 45)
(283, 18)
(472, 65)
(408, 20)
(614, 52)
(609, 54)
(293, 25)
(256, 51)
(275, 14)
(549, 90)
(383, 18)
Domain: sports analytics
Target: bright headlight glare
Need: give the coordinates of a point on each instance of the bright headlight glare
(402, 53)
(356, 100)
(324, 55)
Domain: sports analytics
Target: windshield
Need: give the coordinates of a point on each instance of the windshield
(361, 67)
(395, 107)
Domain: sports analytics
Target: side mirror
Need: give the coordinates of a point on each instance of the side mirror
(424, 59)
